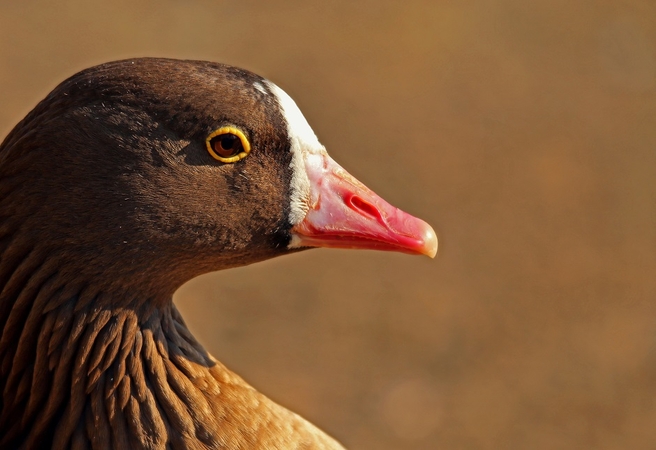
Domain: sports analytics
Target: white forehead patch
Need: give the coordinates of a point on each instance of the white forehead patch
(257, 85)
(303, 143)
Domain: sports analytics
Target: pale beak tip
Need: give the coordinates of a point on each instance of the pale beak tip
(430, 242)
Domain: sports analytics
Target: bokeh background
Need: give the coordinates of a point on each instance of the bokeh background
(524, 131)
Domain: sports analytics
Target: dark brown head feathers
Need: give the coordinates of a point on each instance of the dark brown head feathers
(113, 163)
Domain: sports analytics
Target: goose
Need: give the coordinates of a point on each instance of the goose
(127, 180)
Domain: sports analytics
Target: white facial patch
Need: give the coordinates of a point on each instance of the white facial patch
(304, 144)
(257, 85)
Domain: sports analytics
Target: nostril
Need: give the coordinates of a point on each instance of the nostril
(364, 207)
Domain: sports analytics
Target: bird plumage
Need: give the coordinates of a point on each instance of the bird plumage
(109, 201)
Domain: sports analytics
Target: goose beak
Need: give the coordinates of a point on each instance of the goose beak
(344, 213)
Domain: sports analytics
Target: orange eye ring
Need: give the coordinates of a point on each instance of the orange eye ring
(228, 144)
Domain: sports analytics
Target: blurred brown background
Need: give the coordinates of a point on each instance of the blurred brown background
(524, 131)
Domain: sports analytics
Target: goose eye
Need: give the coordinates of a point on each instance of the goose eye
(228, 144)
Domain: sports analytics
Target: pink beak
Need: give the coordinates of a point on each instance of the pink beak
(344, 213)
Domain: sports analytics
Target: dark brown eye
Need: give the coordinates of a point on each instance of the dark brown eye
(228, 144)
